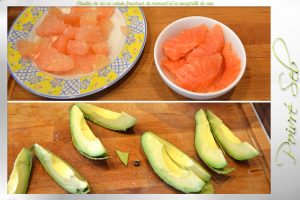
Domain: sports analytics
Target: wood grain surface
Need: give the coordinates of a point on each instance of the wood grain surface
(48, 125)
(251, 24)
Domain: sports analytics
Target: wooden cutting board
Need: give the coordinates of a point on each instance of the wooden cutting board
(48, 125)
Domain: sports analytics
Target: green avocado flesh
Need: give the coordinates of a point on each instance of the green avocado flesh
(83, 138)
(172, 165)
(123, 156)
(206, 146)
(61, 171)
(20, 175)
(207, 189)
(229, 142)
(106, 118)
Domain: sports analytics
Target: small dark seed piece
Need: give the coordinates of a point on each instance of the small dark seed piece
(137, 163)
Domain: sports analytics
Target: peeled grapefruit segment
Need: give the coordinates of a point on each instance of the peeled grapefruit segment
(70, 32)
(100, 47)
(105, 27)
(89, 33)
(89, 18)
(72, 19)
(27, 48)
(81, 9)
(86, 64)
(77, 47)
(55, 11)
(53, 61)
(60, 44)
(105, 12)
(50, 26)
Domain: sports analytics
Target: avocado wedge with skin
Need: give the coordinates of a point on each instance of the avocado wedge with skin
(229, 142)
(61, 171)
(206, 146)
(183, 160)
(19, 178)
(172, 165)
(83, 138)
(106, 118)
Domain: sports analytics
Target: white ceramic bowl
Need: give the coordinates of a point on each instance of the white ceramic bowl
(189, 22)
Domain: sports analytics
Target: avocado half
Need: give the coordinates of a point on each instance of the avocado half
(61, 171)
(20, 175)
(173, 166)
(229, 142)
(206, 146)
(106, 118)
(83, 138)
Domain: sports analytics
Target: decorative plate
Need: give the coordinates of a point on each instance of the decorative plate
(50, 86)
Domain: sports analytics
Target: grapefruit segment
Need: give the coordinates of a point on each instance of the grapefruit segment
(105, 12)
(60, 44)
(77, 47)
(27, 48)
(89, 34)
(70, 32)
(89, 18)
(53, 61)
(72, 19)
(55, 11)
(50, 26)
(86, 64)
(105, 27)
(100, 47)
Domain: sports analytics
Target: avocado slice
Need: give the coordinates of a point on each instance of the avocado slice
(20, 175)
(83, 138)
(206, 146)
(183, 160)
(229, 142)
(180, 173)
(61, 171)
(106, 118)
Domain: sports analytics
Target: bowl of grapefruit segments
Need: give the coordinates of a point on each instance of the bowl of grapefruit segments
(199, 58)
(71, 52)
